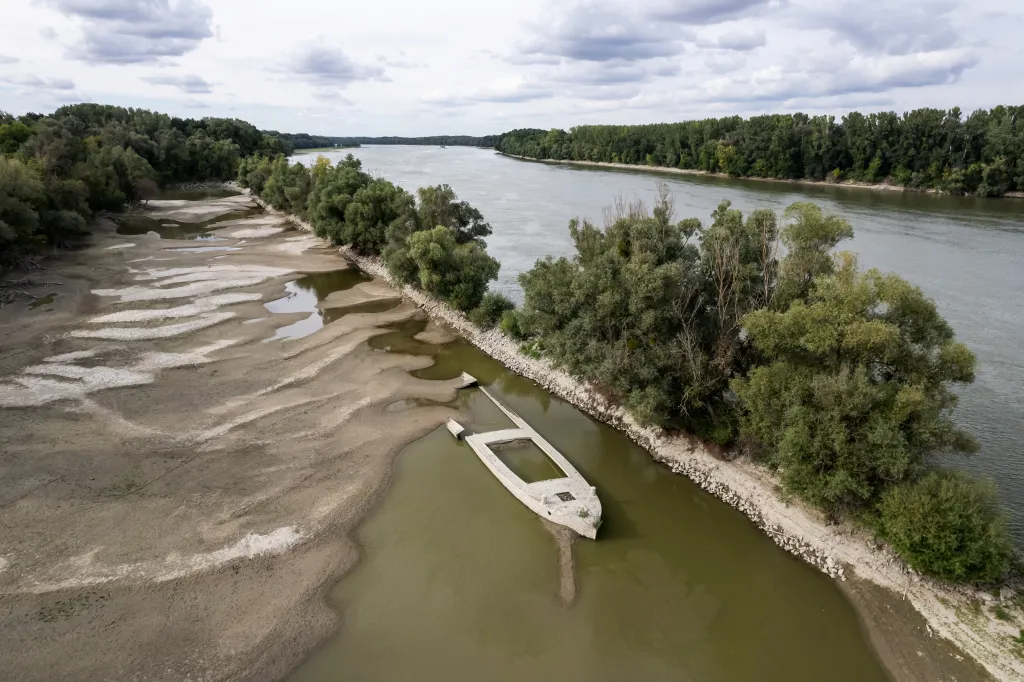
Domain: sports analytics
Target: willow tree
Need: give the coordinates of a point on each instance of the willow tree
(855, 392)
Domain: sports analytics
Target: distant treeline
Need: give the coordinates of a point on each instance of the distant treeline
(306, 141)
(447, 140)
(923, 149)
(57, 170)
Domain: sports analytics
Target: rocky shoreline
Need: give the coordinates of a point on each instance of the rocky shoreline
(833, 549)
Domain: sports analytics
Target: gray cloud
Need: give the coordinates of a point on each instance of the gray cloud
(39, 83)
(329, 67)
(598, 33)
(860, 77)
(727, 62)
(190, 83)
(136, 31)
(741, 41)
(5, 59)
(705, 12)
(47, 33)
(902, 28)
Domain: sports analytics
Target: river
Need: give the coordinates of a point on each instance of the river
(459, 581)
(965, 253)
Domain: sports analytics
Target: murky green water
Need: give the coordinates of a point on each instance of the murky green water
(305, 294)
(460, 581)
(138, 223)
(43, 300)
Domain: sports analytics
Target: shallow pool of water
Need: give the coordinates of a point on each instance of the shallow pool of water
(304, 295)
(139, 223)
(460, 581)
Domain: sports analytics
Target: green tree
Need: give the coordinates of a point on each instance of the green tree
(491, 309)
(439, 205)
(330, 196)
(372, 209)
(456, 273)
(855, 392)
(948, 526)
(809, 237)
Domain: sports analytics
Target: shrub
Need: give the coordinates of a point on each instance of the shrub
(512, 325)
(491, 309)
(949, 526)
(456, 273)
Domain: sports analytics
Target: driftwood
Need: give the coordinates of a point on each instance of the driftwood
(11, 290)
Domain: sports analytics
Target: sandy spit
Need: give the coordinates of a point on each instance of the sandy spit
(750, 489)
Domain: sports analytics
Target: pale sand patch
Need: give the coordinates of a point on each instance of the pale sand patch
(120, 246)
(299, 245)
(35, 389)
(199, 306)
(256, 232)
(75, 355)
(136, 293)
(364, 292)
(205, 249)
(162, 273)
(144, 333)
(435, 334)
(252, 545)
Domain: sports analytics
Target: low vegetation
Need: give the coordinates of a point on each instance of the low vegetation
(982, 153)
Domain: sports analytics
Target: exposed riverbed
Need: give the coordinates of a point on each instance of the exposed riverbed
(178, 492)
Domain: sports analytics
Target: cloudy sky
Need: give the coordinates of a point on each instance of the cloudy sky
(409, 67)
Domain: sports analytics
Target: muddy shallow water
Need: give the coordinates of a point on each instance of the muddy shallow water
(461, 581)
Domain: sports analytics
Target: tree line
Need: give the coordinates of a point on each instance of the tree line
(981, 154)
(838, 379)
(434, 140)
(431, 241)
(294, 141)
(58, 170)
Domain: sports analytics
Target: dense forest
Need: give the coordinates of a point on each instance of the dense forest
(753, 333)
(57, 170)
(922, 149)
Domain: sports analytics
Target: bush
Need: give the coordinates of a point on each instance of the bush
(456, 273)
(512, 325)
(491, 309)
(949, 526)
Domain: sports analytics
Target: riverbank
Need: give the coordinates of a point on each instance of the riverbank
(882, 186)
(187, 524)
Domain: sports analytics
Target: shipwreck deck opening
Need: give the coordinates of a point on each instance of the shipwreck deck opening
(527, 460)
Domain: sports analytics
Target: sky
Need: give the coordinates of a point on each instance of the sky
(476, 67)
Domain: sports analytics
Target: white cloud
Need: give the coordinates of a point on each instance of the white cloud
(477, 68)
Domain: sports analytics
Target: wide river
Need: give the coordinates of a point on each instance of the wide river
(967, 254)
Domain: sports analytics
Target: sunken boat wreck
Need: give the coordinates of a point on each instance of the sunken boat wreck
(568, 500)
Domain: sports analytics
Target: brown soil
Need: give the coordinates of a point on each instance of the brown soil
(187, 528)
